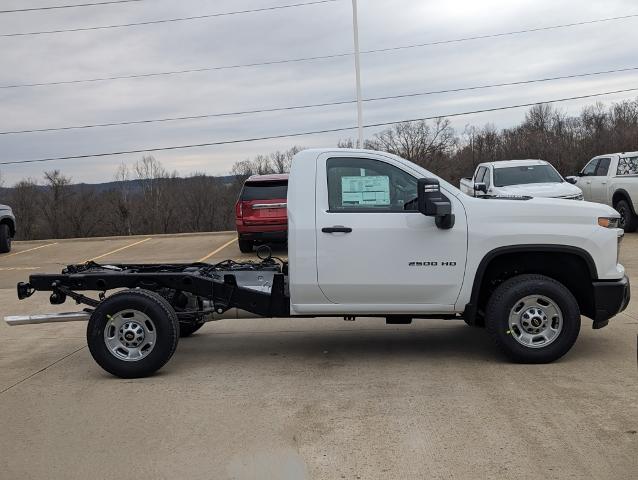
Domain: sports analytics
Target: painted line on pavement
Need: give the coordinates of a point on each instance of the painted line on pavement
(29, 250)
(118, 249)
(216, 251)
(12, 269)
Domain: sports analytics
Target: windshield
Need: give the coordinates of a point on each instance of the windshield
(527, 174)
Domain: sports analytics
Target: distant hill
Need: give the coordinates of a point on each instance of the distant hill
(133, 185)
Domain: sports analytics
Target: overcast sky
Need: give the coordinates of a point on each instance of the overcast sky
(289, 33)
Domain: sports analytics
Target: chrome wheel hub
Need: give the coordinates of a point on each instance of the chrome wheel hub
(535, 321)
(130, 335)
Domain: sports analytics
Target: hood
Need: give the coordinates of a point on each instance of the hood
(542, 190)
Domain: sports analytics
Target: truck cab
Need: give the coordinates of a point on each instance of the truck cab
(534, 178)
(612, 179)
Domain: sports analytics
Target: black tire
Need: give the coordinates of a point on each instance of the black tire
(245, 246)
(628, 221)
(187, 329)
(5, 238)
(165, 326)
(506, 297)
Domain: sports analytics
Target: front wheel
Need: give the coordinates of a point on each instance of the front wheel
(5, 238)
(133, 333)
(533, 319)
(628, 221)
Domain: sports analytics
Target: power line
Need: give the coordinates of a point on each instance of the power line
(56, 7)
(312, 132)
(504, 34)
(314, 58)
(178, 72)
(169, 20)
(315, 105)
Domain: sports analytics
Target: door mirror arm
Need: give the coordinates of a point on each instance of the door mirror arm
(480, 187)
(433, 203)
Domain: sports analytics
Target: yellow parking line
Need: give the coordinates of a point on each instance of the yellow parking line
(216, 251)
(119, 249)
(10, 269)
(29, 250)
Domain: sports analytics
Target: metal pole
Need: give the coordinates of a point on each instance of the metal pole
(357, 67)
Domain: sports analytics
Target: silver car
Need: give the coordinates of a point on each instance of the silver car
(7, 228)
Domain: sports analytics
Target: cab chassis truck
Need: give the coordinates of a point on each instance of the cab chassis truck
(370, 235)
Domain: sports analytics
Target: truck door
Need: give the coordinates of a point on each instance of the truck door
(584, 179)
(600, 180)
(373, 246)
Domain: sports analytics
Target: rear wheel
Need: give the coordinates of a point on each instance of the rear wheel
(5, 238)
(628, 221)
(133, 333)
(245, 246)
(533, 319)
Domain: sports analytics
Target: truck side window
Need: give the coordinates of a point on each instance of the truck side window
(486, 178)
(627, 166)
(603, 167)
(365, 185)
(478, 178)
(590, 168)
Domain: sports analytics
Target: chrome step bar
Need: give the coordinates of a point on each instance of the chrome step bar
(47, 318)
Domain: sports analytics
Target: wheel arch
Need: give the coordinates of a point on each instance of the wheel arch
(572, 266)
(622, 194)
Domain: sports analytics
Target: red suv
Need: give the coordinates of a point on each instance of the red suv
(260, 212)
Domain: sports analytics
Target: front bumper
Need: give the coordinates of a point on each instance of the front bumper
(610, 298)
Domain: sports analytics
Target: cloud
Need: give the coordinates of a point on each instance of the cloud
(296, 32)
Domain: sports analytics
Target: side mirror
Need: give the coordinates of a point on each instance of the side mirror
(480, 187)
(571, 179)
(433, 203)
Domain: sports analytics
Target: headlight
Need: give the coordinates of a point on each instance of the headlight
(609, 222)
(580, 196)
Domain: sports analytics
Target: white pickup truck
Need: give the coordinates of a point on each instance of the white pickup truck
(612, 179)
(506, 178)
(370, 235)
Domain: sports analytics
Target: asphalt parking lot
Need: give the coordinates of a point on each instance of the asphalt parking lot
(307, 398)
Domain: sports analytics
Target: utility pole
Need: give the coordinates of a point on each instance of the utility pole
(357, 67)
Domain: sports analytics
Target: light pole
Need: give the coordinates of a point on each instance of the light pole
(357, 68)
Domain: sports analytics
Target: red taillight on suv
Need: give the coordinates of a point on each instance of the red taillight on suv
(239, 211)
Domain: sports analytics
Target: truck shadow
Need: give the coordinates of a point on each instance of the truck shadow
(337, 346)
(334, 348)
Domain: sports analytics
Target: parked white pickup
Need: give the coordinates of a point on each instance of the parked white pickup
(525, 178)
(612, 179)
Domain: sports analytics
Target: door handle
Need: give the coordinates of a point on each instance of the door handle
(336, 229)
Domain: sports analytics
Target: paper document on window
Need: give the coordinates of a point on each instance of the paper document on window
(374, 190)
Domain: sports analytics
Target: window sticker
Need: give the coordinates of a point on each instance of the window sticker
(628, 166)
(373, 190)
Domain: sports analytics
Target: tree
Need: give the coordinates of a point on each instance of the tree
(56, 204)
(25, 203)
(418, 142)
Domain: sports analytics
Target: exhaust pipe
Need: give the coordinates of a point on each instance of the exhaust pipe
(15, 320)
(47, 318)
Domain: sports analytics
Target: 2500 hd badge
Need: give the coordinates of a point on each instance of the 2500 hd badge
(432, 264)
